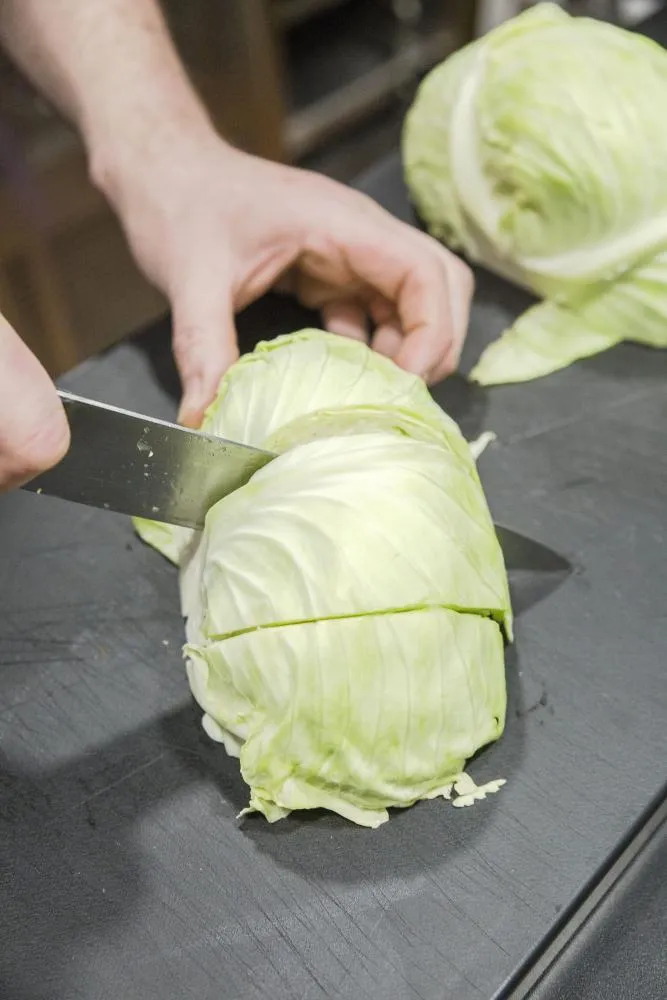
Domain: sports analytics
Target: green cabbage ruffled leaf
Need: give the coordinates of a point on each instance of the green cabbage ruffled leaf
(346, 609)
(540, 151)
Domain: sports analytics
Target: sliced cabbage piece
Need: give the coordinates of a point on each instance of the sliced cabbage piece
(357, 714)
(331, 529)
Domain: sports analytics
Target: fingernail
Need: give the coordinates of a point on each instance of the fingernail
(190, 416)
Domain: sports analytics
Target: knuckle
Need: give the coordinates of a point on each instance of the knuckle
(188, 350)
(187, 338)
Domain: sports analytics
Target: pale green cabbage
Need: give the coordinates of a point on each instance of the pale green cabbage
(540, 150)
(346, 608)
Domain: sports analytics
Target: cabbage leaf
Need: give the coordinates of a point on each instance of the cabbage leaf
(540, 151)
(346, 609)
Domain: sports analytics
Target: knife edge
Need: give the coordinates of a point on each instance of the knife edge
(144, 466)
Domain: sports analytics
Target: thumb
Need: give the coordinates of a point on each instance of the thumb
(34, 432)
(205, 345)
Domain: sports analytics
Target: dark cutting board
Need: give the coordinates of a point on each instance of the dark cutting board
(123, 871)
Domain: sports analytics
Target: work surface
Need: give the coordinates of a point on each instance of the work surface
(124, 871)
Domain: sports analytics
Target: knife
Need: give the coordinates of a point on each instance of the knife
(144, 467)
(137, 465)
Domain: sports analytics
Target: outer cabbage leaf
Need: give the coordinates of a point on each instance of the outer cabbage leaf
(426, 142)
(543, 340)
(168, 539)
(268, 389)
(355, 714)
(299, 373)
(540, 150)
(548, 336)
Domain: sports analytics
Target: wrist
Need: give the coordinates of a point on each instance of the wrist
(126, 153)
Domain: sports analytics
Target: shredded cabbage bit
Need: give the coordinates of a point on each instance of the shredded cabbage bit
(345, 610)
(540, 151)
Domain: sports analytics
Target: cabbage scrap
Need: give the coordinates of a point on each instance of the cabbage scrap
(346, 610)
(540, 151)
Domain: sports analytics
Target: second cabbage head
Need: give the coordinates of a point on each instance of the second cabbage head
(345, 609)
(540, 151)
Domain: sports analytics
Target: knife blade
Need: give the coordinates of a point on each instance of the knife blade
(144, 467)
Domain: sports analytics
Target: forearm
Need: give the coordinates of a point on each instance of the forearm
(112, 68)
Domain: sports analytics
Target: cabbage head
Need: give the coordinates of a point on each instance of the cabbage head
(540, 150)
(346, 609)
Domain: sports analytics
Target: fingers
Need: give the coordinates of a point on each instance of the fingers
(387, 340)
(414, 283)
(349, 319)
(205, 344)
(428, 289)
(461, 285)
(34, 432)
(433, 305)
(388, 336)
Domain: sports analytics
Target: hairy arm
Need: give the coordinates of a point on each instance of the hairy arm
(111, 67)
(213, 227)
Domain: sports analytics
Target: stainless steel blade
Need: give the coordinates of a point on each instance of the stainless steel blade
(144, 467)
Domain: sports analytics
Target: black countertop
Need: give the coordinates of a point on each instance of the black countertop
(123, 872)
(619, 952)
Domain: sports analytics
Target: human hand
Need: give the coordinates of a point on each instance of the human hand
(34, 432)
(215, 228)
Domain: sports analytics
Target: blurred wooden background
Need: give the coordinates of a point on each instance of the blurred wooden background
(281, 78)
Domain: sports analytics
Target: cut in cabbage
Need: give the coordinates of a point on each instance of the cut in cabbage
(346, 610)
(540, 151)
(354, 714)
